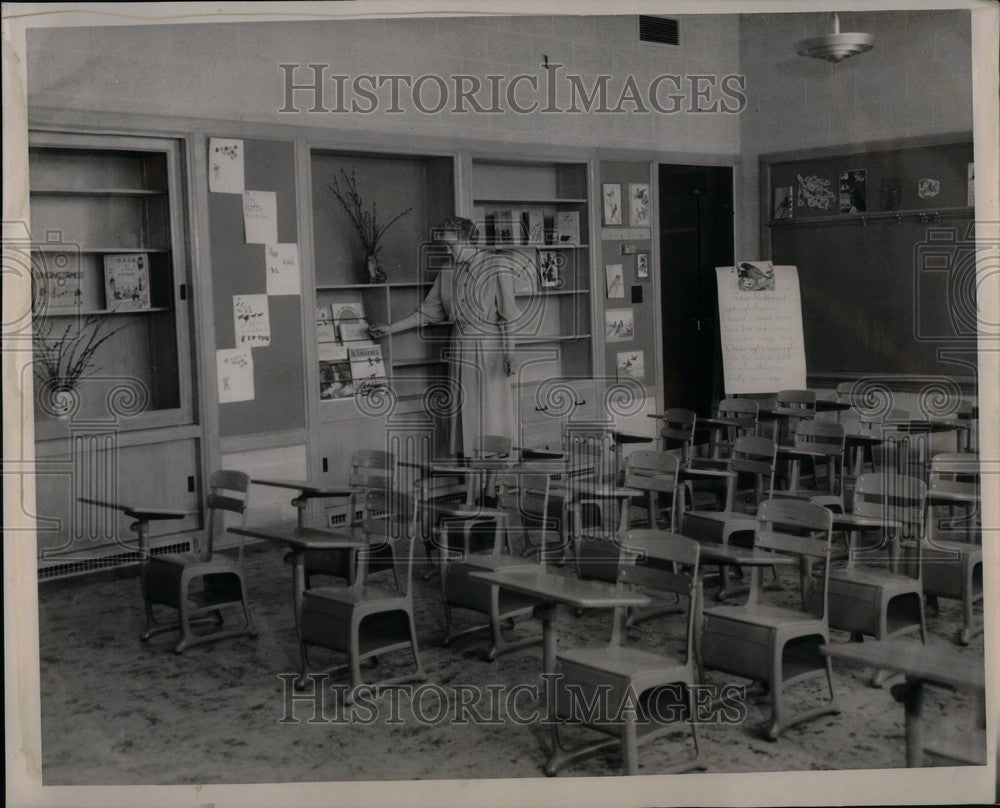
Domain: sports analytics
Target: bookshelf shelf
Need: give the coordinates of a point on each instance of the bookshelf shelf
(550, 338)
(108, 312)
(68, 246)
(418, 362)
(538, 201)
(96, 192)
(110, 196)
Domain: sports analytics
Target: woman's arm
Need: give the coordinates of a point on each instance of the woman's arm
(430, 311)
(379, 331)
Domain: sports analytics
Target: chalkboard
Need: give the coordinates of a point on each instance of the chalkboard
(238, 269)
(888, 288)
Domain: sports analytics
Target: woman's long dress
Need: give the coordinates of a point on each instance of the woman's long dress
(477, 296)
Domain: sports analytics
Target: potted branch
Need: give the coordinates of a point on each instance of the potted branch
(64, 360)
(365, 222)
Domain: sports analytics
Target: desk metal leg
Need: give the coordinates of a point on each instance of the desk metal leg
(298, 584)
(911, 693)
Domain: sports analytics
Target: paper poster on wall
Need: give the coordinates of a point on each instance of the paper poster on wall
(253, 325)
(260, 217)
(631, 365)
(282, 269)
(619, 325)
(638, 196)
(854, 191)
(760, 322)
(225, 166)
(616, 280)
(234, 371)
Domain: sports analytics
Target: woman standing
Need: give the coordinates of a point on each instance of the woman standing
(477, 293)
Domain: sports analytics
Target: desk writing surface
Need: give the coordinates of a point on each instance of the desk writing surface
(301, 538)
(147, 512)
(941, 665)
(563, 589)
(305, 487)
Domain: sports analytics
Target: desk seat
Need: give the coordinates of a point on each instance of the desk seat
(642, 669)
(769, 615)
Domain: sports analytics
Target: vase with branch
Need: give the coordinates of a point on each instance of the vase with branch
(365, 221)
(64, 358)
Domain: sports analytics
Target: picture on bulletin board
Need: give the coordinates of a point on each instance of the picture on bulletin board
(813, 192)
(854, 191)
(638, 195)
(642, 265)
(616, 281)
(889, 193)
(757, 276)
(631, 365)
(619, 325)
(784, 203)
(611, 194)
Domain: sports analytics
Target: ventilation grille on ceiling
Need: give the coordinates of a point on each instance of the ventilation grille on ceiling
(658, 29)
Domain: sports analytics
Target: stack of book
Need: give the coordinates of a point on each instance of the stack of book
(349, 362)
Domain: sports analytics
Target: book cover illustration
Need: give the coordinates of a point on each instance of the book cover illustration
(568, 227)
(335, 373)
(642, 265)
(349, 318)
(325, 331)
(550, 264)
(58, 288)
(535, 226)
(367, 368)
(126, 281)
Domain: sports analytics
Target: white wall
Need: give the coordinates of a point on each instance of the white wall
(231, 72)
(917, 80)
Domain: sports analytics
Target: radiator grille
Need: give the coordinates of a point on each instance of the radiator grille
(81, 566)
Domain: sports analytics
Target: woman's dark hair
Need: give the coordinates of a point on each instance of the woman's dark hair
(465, 229)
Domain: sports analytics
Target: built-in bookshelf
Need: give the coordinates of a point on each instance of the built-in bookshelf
(104, 252)
(393, 182)
(519, 206)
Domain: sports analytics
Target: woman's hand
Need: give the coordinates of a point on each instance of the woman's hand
(508, 364)
(379, 331)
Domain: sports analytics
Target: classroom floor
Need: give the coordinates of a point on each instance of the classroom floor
(117, 711)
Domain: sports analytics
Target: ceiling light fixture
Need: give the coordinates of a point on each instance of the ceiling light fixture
(835, 47)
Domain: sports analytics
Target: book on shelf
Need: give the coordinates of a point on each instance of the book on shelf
(325, 331)
(534, 226)
(353, 330)
(568, 227)
(349, 318)
(517, 227)
(126, 281)
(334, 372)
(367, 367)
(59, 288)
(504, 227)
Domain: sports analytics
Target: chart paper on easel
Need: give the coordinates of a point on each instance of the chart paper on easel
(760, 323)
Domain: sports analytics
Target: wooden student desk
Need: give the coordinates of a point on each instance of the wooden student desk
(553, 591)
(300, 540)
(920, 665)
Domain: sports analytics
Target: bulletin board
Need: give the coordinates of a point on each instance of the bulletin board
(622, 241)
(238, 268)
(885, 283)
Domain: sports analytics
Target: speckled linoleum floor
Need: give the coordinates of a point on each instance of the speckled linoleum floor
(117, 711)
